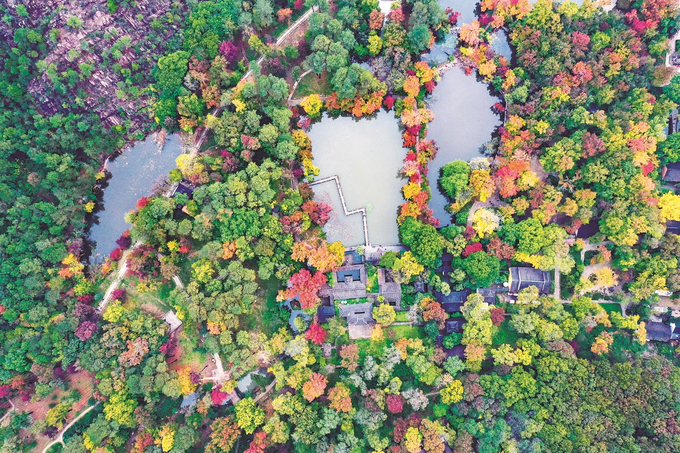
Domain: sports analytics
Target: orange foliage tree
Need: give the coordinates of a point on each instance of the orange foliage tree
(314, 387)
(305, 287)
(340, 399)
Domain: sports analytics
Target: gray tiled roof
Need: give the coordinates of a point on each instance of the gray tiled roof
(658, 331)
(523, 277)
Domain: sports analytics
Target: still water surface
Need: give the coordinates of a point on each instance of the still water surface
(133, 175)
(366, 154)
(463, 123)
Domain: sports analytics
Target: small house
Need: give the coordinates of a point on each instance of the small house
(350, 282)
(420, 287)
(453, 301)
(357, 314)
(588, 230)
(658, 331)
(349, 276)
(452, 308)
(671, 173)
(181, 187)
(389, 289)
(489, 294)
(673, 226)
(454, 325)
(324, 313)
(353, 257)
(524, 277)
(675, 333)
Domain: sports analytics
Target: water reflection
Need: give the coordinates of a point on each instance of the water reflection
(366, 154)
(463, 123)
(133, 175)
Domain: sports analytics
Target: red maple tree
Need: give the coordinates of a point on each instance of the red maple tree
(305, 287)
(316, 334)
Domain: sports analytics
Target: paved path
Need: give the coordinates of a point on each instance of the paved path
(117, 281)
(588, 247)
(178, 282)
(295, 85)
(219, 375)
(60, 437)
(266, 390)
(284, 35)
(9, 411)
(558, 288)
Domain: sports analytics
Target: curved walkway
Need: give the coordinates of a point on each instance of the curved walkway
(60, 437)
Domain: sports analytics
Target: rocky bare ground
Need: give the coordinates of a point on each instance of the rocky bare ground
(122, 48)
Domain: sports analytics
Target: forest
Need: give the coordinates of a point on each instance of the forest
(233, 249)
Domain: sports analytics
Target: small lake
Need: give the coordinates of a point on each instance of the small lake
(463, 123)
(367, 155)
(133, 174)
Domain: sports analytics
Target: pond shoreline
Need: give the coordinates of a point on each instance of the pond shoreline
(131, 172)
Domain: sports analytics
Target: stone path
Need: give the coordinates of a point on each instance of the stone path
(117, 281)
(219, 375)
(178, 282)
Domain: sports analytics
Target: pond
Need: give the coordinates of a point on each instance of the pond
(366, 155)
(463, 123)
(133, 174)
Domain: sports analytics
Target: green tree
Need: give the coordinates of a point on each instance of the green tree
(248, 415)
(454, 178)
(482, 269)
(426, 244)
(384, 314)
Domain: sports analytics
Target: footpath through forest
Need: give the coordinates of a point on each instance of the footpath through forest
(198, 142)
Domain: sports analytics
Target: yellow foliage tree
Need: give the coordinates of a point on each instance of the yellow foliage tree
(485, 222)
(481, 183)
(167, 438)
(413, 440)
(605, 277)
(410, 190)
(184, 376)
(406, 267)
(669, 204)
(452, 393)
(312, 105)
(641, 333)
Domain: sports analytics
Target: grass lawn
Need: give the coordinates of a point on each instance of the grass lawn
(310, 84)
(611, 308)
(361, 300)
(406, 332)
(504, 335)
(372, 284)
(156, 298)
(370, 347)
(267, 312)
(190, 353)
(402, 316)
(338, 303)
